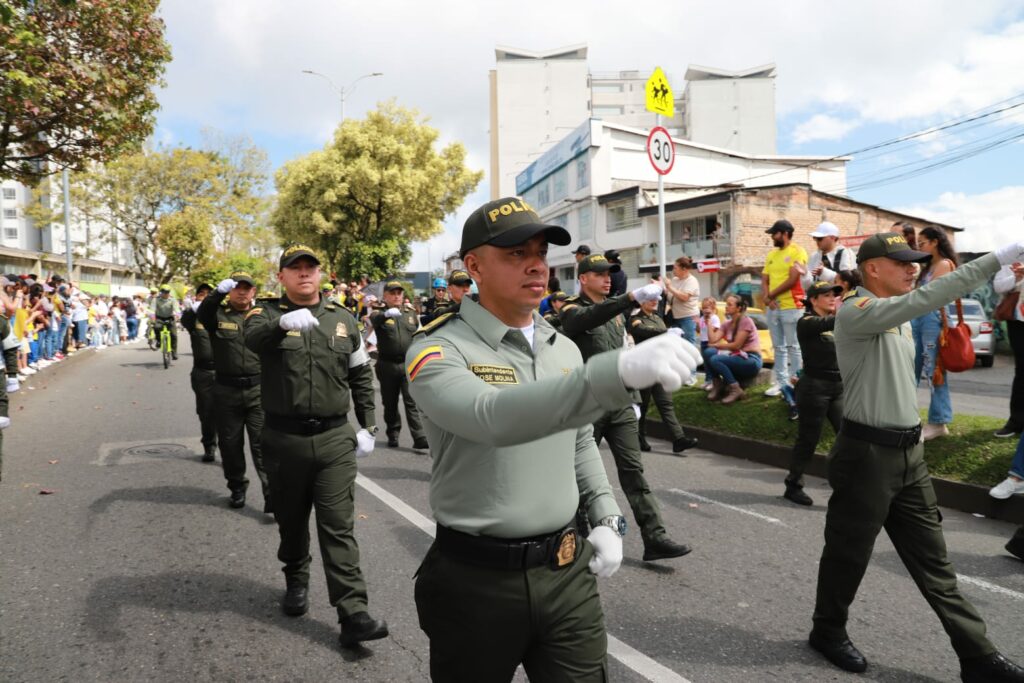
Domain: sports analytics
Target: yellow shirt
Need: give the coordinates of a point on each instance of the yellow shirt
(20, 316)
(777, 266)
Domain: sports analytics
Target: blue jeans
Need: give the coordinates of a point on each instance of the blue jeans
(782, 327)
(133, 327)
(926, 331)
(62, 333)
(81, 328)
(1017, 466)
(689, 328)
(728, 367)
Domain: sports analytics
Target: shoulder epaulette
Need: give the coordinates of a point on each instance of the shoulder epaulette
(850, 294)
(574, 298)
(568, 307)
(283, 307)
(436, 323)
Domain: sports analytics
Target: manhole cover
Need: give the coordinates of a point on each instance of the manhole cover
(152, 450)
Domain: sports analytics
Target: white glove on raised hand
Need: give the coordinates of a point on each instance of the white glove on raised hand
(5, 422)
(300, 319)
(365, 442)
(667, 360)
(1010, 254)
(607, 551)
(651, 292)
(393, 313)
(13, 385)
(226, 285)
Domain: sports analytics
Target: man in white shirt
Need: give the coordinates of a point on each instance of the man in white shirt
(824, 265)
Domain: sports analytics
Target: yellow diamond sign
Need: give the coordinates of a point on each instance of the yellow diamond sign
(659, 97)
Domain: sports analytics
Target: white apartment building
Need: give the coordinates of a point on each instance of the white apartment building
(730, 109)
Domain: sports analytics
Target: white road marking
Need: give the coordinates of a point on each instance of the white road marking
(734, 508)
(634, 659)
(971, 581)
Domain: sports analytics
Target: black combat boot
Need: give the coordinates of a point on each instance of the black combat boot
(360, 627)
(993, 668)
(210, 454)
(664, 548)
(296, 599)
(421, 444)
(795, 493)
(237, 498)
(682, 443)
(1016, 545)
(842, 653)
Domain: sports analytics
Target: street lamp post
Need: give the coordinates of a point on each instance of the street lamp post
(343, 91)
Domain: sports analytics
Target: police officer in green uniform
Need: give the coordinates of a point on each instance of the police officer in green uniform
(508, 405)
(459, 285)
(440, 299)
(315, 368)
(165, 311)
(551, 317)
(395, 327)
(237, 391)
(595, 322)
(877, 469)
(203, 376)
(819, 393)
(646, 324)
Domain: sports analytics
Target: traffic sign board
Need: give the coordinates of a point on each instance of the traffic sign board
(658, 93)
(661, 150)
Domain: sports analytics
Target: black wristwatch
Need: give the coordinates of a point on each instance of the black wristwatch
(616, 523)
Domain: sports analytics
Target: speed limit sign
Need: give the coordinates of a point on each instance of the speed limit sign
(660, 150)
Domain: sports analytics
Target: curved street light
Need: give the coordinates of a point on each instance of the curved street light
(344, 91)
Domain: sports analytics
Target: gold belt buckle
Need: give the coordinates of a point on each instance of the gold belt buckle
(567, 545)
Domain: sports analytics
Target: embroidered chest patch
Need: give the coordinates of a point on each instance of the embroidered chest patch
(340, 330)
(495, 374)
(221, 325)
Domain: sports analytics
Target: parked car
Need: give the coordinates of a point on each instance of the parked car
(981, 329)
(763, 335)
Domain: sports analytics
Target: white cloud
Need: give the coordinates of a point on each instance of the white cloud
(991, 219)
(823, 127)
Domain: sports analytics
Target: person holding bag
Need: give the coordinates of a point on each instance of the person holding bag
(1009, 282)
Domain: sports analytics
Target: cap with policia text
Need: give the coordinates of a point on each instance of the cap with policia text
(597, 263)
(890, 245)
(505, 223)
(392, 285)
(243, 276)
(460, 277)
(295, 252)
(821, 287)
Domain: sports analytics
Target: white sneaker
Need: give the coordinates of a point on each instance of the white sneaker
(933, 431)
(1007, 488)
(773, 390)
(29, 371)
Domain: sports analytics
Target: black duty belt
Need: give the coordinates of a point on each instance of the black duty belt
(558, 549)
(828, 375)
(238, 381)
(881, 436)
(303, 426)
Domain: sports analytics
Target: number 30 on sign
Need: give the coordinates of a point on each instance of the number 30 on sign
(660, 150)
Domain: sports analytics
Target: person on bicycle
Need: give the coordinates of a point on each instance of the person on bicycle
(165, 312)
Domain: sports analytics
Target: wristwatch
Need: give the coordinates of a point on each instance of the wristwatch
(373, 430)
(616, 523)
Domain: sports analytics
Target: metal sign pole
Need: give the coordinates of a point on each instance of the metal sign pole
(661, 216)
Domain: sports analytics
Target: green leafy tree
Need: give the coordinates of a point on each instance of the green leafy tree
(220, 265)
(76, 82)
(378, 186)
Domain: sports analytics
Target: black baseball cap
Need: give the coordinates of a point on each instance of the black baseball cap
(821, 287)
(507, 222)
(582, 249)
(392, 285)
(611, 255)
(597, 263)
(295, 252)
(243, 276)
(781, 225)
(559, 296)
(890, 245)
(460, 277)
(203, 285)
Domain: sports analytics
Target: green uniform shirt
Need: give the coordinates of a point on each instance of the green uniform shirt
(319, 372)
(596, 327)
(644, 326)
(394, 335)
(165, 307)
(876, 349)
(510, 426)
(225, 326)
(202, 349)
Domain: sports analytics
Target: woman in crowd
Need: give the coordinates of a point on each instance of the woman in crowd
(849, 281)
(708, 321)
(733, 353)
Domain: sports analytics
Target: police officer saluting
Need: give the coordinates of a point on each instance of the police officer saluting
(509, 404)
(595, 322)
(314, 368)
(877, 470)
(237, 390)
(395, 327)
(203, 376)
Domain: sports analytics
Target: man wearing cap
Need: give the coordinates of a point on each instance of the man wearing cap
(558, 299)
(315, 367)
(595, 322)
(819, 394)
(165, 311)
(877, 469)
(395, 327)
(619, 279)
(459, 285)
(508, 405)
(581, 252)
(783, 293)
(830, 258)
(237, 391)
(203, 374)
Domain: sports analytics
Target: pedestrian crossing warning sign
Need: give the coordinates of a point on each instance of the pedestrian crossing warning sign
(659, 97)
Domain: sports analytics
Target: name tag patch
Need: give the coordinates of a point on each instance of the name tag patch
(293, 333)
(340, 330)
(221, 325)
(495, 374)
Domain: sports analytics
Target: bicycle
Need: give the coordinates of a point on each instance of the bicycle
(151, 335)
(165, 344)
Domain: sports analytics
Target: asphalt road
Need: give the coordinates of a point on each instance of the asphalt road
(135, 569)
(979, 391)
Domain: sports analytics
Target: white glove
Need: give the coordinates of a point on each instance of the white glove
(300, 319)
(636, 410)
(369, 300)
(196, 305)
(607, 551)
(651, 292)
(13, 385)
(393, 313)
(226, 285)
(365, 442)
(5, 422)
(1010, 254)
(666, 359)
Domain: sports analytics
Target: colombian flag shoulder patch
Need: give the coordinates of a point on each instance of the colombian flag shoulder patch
(422, 358)
(862, 302)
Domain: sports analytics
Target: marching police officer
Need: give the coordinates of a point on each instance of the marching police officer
(315, 367)
(819, 393)
(395, 328)
(877, 469)
(165, 311)
(508, 405)
(551, 317)
(237, 390)
(643, 325)
(595, 322)
(458, 286)
(203, 375)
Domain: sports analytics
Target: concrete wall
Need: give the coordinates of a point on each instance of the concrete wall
(735, 113)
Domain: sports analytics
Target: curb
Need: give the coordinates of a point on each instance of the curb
(952, 494)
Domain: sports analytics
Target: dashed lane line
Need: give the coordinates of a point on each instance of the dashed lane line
(970, 580)
(630, 657)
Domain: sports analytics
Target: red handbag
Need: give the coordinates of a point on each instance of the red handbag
(956, 352)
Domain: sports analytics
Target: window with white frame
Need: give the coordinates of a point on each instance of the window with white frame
(607, 110)
(585, 219)
(560, 184)
(10, 233)
(621, 215)
(10, 193)
(543, 194)
(582, 173)
(11, 214)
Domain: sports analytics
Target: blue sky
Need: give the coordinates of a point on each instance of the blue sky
(848, 76)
